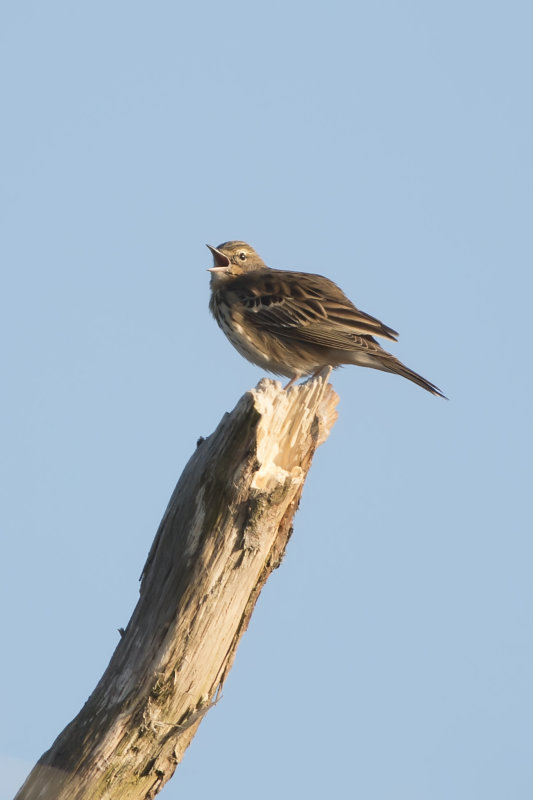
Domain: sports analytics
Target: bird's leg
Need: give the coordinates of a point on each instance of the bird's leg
(323, 372)
(292, 380)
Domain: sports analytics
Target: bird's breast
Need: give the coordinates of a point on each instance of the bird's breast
(246, 339)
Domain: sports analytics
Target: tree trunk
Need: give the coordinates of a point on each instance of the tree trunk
(225, 529)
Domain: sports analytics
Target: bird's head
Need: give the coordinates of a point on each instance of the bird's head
(232, 259)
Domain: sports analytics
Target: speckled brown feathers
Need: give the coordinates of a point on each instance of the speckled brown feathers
(295, 323)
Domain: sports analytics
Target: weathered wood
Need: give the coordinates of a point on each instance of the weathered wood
(225, 529)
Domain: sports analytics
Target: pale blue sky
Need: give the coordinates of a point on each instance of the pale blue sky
(387, 145)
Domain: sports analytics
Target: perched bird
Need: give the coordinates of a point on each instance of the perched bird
(294, 323)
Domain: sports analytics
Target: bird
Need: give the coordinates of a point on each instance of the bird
(295, 324)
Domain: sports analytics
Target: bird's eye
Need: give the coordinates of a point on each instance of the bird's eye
(242, 255)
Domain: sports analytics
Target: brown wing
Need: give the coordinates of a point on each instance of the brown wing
(303, 306)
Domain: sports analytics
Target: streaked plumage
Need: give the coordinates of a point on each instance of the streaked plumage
(295, 323)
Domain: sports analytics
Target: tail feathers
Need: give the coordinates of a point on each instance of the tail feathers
(392, 364)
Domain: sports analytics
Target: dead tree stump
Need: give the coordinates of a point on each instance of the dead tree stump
(225, 529)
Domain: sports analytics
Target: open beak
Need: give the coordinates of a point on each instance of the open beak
(222, 262)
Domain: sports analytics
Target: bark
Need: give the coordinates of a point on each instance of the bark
(225, 529)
